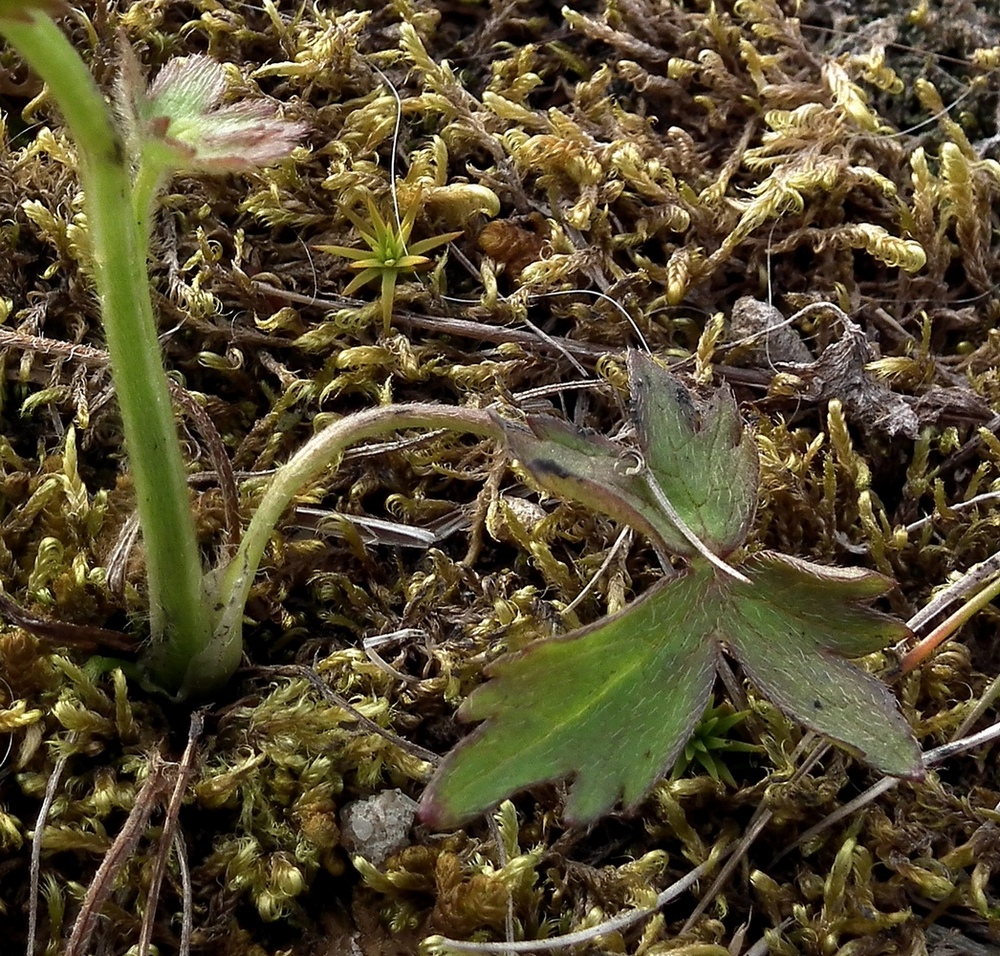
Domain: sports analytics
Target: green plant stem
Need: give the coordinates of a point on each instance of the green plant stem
(180, 624)
(948, 627)
(150, 178)
(319, 453)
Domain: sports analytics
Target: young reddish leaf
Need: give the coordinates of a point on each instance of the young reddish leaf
(182, 121)
(788, 630)
(703, 461)
(611, 704)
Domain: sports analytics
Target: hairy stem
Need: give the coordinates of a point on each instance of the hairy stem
(181, 627)
(320, 452)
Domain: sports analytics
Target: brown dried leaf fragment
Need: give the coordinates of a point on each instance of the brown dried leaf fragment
(509, 243)
(24, 10)
(840, 373)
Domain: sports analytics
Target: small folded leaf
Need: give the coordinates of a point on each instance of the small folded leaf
(611, 704)
(181, 119)
(703, 461)
(586, 467)
(698, 462)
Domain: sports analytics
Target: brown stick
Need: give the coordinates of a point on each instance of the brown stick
(118, 853)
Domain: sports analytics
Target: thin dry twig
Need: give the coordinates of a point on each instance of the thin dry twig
(450, 326)
(623, 540)
(965, 585)
(118, 854)
(10, 736)
(187, 894)
(502, 859)
(9, 338)
(117, 562)
(761, 818)
(34, 873)
(184, 771)
(332, 697)
(60, 632)
(370, 645)
(442, 944)
(931, 759)
(959, 506)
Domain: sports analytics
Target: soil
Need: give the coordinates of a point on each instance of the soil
(671, 176)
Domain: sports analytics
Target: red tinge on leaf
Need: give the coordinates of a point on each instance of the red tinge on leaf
(182, 113)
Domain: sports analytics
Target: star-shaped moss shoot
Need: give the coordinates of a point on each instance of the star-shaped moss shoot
(612, 705)
(389, 252)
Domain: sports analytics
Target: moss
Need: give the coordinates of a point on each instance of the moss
(673, 156)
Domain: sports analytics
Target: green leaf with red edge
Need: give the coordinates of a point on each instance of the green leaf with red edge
(791, 630)
(613, 704)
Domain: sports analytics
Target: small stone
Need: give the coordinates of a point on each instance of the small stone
(377, 826)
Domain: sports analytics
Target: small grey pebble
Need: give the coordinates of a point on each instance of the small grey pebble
(377, 826)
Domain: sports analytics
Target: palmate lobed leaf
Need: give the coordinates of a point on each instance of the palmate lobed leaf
(613, 704)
